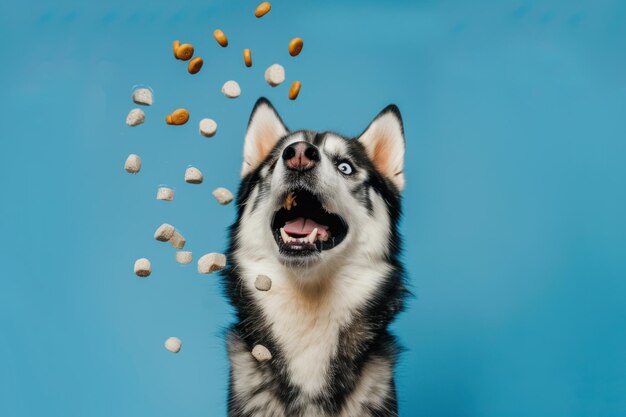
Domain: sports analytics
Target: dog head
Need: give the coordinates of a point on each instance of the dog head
(309, 199)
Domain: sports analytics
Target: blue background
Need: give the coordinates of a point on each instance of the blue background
(515, 204)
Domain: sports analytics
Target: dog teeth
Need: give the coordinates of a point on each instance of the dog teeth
(310, 239)
(285, 236)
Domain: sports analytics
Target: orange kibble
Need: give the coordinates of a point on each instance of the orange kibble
(195, 65)
(175, 46)
(263, 9)
(294, 90)
(168, 120)
(184, 51)
(220, 37)
(180, 117)
(295, 46)
(247, 57)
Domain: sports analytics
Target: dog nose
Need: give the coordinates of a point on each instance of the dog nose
(301, 156)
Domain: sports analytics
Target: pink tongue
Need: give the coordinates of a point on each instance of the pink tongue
(304, 227)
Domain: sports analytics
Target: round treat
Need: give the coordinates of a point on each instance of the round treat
(193, 175)
(168, 119)
(175, 46)
(263, 283)
(184, 257)
(247, 57)
(263, 9)
(231, 89)
(261, 353)
(208, 127)
(164, 233)
(211, 262)
(177, 240)
(221, 38)
(165, 194)
(132, 164)
(179, 117)
(295, 46)
(195, 65)
(223, 195)
(294, 90)
(142, 267)
(135, 117)
(275, 75)
(173, 344)
(143, 96)
(184, 51)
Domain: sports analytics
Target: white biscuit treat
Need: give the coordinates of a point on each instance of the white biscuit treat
(231, 89)
(275, 75)
(263, 283)
(177, 240)
(184, 257)
(173, 344)
(222, 195)
(165, 194)
(193, 176)
(208, 127)
(142, 96)
(132, 164)
(261, 353)
(167, 233)
(164, 232)
(211, 262)
(135, 117)
(143, 268)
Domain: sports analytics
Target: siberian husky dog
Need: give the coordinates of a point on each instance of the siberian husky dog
(318, 214)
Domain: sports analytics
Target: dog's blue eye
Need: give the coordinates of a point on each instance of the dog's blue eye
(345, 168)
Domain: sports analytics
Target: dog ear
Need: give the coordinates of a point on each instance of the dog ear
(265, 128)
(384, 143)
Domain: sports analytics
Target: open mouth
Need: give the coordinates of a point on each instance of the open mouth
(303, 227)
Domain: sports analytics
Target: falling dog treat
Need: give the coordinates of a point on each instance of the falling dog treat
(193, 175)
(135, 117)
(263, 283)
(231, 89)
(178, 117)
(211, 262)
(261, 353)
(164, 232)
(247, 57)
(173, 344)
(208, 127)
(275, 75)
(175, 46)
(294, 90)
(167, 233)
(142, 267)
(184, 257)
(142, 96)
(177, 240)
(165, 193)
(184, 52)
(221, 38)
(263, 9)
(223, 195)
(195, 65)
(290, 201)
(132, 164)
(295, 46)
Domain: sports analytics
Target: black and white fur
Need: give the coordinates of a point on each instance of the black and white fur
(325, 319)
